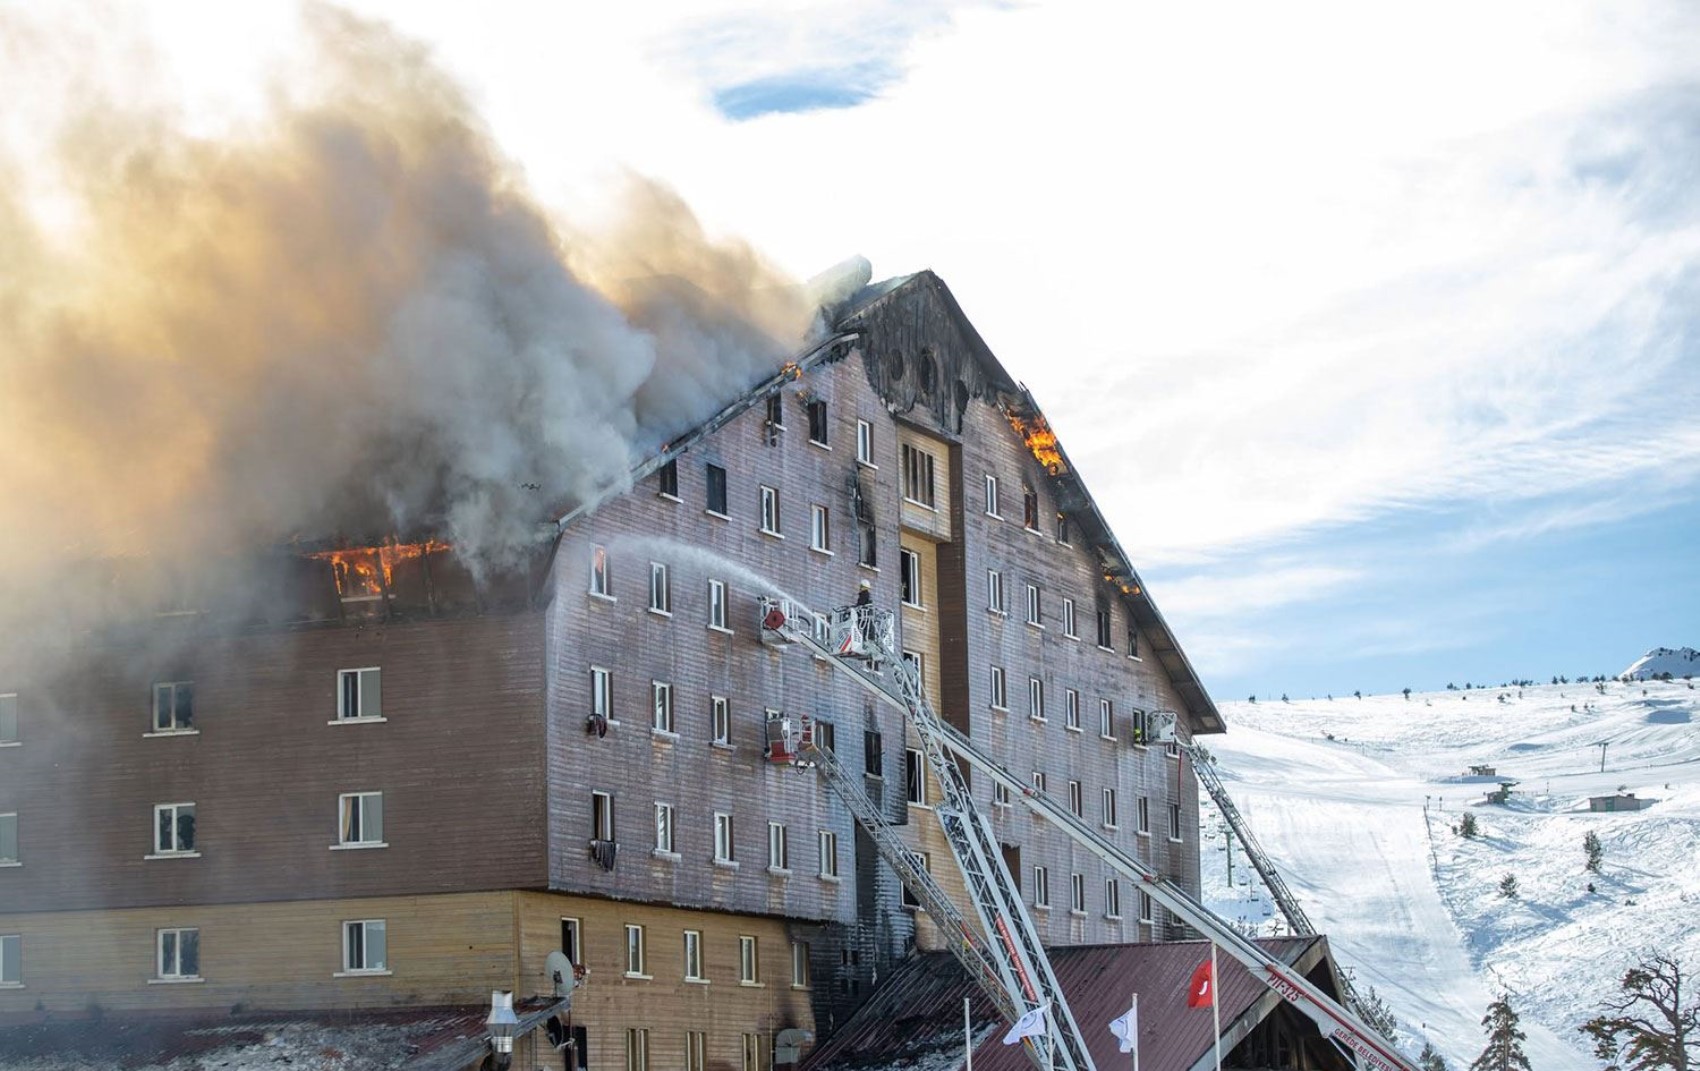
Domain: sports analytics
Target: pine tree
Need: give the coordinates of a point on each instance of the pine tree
(1467, 825)
(1650, 1025)
(1591, 845)
(1508, 886)
(1430, 1059)
(1504, 1050)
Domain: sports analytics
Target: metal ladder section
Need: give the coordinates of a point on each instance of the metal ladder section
(1023, 972)
(1260, 862)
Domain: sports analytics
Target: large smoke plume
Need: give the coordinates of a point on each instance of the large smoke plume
(346, 319)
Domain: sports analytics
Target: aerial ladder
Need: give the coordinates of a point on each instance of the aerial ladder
(1009, 962)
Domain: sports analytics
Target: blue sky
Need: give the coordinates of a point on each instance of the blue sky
(1372, 327)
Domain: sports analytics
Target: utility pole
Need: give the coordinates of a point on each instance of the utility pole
(1602, 745)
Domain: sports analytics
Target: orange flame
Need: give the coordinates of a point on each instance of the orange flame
(368, 572)
(1041, 440)
(791, 369)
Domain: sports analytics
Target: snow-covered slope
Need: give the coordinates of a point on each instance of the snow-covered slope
(1357, 801)
(1678, 662)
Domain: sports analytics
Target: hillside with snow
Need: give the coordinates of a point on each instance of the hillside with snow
(1358, 802)
(1674, 663)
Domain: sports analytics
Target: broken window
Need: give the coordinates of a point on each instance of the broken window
(716, 490)
(873, 754)
(667, 479)
(174, 828)
(1104, 629)
(364, 946)
(915, 776)
(910, 577)
(173, 706)
(817, 423)
(921, 861)
(1132, 642)
(918, 476)
(1030, 510)
(360, 819)
(177, 954)
(866, 550)
(360, 695)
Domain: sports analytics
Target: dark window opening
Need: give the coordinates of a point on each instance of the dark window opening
(866, 546)
(716, 489)
(667, 478)
(915, 776)
(1030, 509)
(1132, 642)
(776, 412)
(1104, 629)
(873, 754)
(817, 423)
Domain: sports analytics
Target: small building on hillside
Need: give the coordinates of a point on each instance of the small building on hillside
(1621, 802)
(1483, 771)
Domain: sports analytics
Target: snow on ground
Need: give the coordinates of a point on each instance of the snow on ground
(1677, 662)
(1357, 802)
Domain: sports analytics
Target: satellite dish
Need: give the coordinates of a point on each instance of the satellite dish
(560, 971)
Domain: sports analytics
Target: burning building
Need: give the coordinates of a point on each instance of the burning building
(400, 783)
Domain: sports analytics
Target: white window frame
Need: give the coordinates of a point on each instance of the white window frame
(1062, 529)
(1145, 918)
(1035, 699)
(367, 928)
(573, 931)
(637, 951)
(172, 727)
(778, 849)
(992, 497)
(693, 957)
(1000, 794)
(602, 819)
(661, 708)
(1105, 623)
(1142, 811)
(749, 960)
(1076, 799)
(720, 720)
(717, 606)
(1175, 831)
(660, 589)
(696, 1050)
(751, 1052)
(865, 443)
(168, 963)
(914, 777)
(800, 973)
(599, 579)
(1035, 610)
(1000, 689)
(1068, 620)
(918, 477)
(365, 678)
(12, 957)
(725, 839)
(1041, 887)
(921, 861)
(770, 517)
(909, 567)
(1039, 781)
(355, 806)
(637, 1048)
(1106, 719)
(1077, 894)
(994, 592)
(1071, 709)
(820, 529)
(1109, 808)
(602, 693)
(664, 830)
(827, 845)
(825, 428)
(1112, 899)
(173, 851)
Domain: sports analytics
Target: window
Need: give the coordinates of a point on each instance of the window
(11, 960)
(601, 816)
(873, 754)
(601, 693)
(1140, 727)
(725, 845)
(8, 719)
(817, 423)
(1132, 642)
(914, 776)
(921, 861)
(635, 961)
(717, 605)
(571, 943)
(910, 577)
(720, 713)
(660, 589)
(360, 819)
(599, 572)
(661, 706)
(799, 965)
(667, 479)
(359, 694)
(1068, 620)
(1035, 699)
(1109, 808)
(864, 442)
(1000, 693)
(696, 1050)
(1071, 709)
(1062, 529)
(1038, 781)
(778, 848)
(716, 490)
(752, 1053)
(1143, 812)
(828, 854)
(693, 956)
(1076, 805)
(991, 495)
(820, 529)
(1041, 887)
(776, 411)
(1104, 629)
(173, 707)
(637, 1048)
(770, 511)
(177, 954)
(364, 947)
(867, 545)
(9, 840)
(749, 963)
(664, 828)
(1174, 821)
(174, 829)
(1145, 908)
(1106, 719)
(1112, 898)
(918, 476)
(1033, 615)
(1000, 794)
(1077, 893)
(1030, 509)
(918, 662)
(994, 591)
(825, 735)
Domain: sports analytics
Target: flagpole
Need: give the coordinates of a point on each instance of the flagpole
(968, 1035)
(1215, 1005)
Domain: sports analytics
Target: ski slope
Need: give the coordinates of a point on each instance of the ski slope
(1357, 801)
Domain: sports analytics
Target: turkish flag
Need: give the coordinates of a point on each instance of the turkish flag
(1201, 992)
